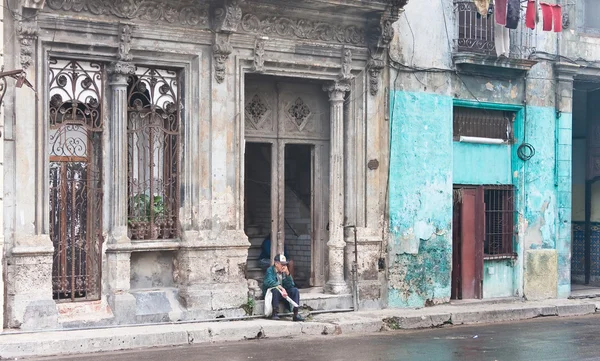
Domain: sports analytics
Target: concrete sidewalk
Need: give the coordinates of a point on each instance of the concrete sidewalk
(18, 345)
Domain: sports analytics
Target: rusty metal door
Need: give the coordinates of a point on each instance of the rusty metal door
(75, 147)
(468, 242)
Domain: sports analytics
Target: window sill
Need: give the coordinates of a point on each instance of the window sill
(149, 245)
(495, 257)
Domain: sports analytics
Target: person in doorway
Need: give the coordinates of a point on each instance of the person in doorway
(280, 283)
(265, 256)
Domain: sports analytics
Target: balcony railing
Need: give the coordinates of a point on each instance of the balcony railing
(475, 33)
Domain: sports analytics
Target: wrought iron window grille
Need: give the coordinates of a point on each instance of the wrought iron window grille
(153, 133)
(469, 124)
(75, 122)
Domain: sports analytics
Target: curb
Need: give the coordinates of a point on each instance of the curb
(116, 339)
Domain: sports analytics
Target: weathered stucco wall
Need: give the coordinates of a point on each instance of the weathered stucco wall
(420, 247)
(498, 279)
(482, 164)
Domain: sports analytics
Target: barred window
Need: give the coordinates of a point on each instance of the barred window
(483, 123)
(499, 220)
(153, 136)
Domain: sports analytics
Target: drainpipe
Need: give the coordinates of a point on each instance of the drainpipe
(355, 271)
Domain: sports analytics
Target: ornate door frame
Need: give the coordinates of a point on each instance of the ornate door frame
(282, 112)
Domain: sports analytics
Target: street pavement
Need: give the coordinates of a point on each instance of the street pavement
(540, 339)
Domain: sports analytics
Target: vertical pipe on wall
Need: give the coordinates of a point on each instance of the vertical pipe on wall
(586, 234)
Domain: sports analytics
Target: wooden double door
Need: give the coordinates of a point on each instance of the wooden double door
(288, 116)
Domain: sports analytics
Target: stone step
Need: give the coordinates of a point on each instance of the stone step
(314, 299)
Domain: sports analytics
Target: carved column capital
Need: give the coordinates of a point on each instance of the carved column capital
(337, 90)
(120, 71)
(227, 16)
(221, 51)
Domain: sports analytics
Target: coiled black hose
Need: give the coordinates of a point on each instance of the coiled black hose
(526, 151)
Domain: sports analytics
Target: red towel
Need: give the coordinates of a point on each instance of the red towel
(530, 14)
(547, 16)
(557, 15)
(500, 11)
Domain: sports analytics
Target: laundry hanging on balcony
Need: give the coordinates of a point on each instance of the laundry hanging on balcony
(513, 13)
(552, 17)
(500, 11)
(507, 12)
(501, 40)
(531, 14)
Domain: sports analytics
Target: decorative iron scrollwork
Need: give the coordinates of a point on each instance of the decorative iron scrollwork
(153, 133)
(75, 122)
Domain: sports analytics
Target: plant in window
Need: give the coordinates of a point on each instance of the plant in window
(140, 219)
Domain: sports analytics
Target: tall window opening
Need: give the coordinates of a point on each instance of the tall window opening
(153, 136)
(75, 123)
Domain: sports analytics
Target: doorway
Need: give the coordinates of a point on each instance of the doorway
(287, 175)
(585, 233)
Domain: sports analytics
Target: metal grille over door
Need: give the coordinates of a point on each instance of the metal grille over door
(75, 136)
(153, 153)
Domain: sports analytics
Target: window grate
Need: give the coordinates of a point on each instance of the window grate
(153, 132)
(75, 127)
(483, 123)
(499, 220)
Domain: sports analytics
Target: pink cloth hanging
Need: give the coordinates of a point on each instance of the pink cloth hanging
(557, 15)
(546, 16)
(530, 14)
(500, 11)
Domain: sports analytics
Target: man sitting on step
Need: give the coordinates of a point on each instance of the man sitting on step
(280, 283)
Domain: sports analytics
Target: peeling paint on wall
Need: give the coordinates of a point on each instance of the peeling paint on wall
(420, 249)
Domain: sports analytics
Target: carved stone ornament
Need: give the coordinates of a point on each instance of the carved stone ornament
(124, 43)
(346, 72)
(121, 68)
(259, 53)
(228, 16)
(221, 51)
(186, 12)
(375, 66)
(33, 4)
(337, 90)
(28, 33)
(302, 29)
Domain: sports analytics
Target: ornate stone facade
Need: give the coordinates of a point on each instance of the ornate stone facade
(215, 52)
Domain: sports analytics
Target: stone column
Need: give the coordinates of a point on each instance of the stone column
(564, 74)
(29, 249)
(118, 253)
(336, 283)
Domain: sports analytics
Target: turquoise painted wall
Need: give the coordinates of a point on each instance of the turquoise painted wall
(540, 183)
(482, 164)
(425, 163)
(498, 279)
(420, 246)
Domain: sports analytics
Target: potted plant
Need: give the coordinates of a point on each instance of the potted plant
(140, 220)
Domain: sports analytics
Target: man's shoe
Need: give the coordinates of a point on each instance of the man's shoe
(298, 318)
(275, 317)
